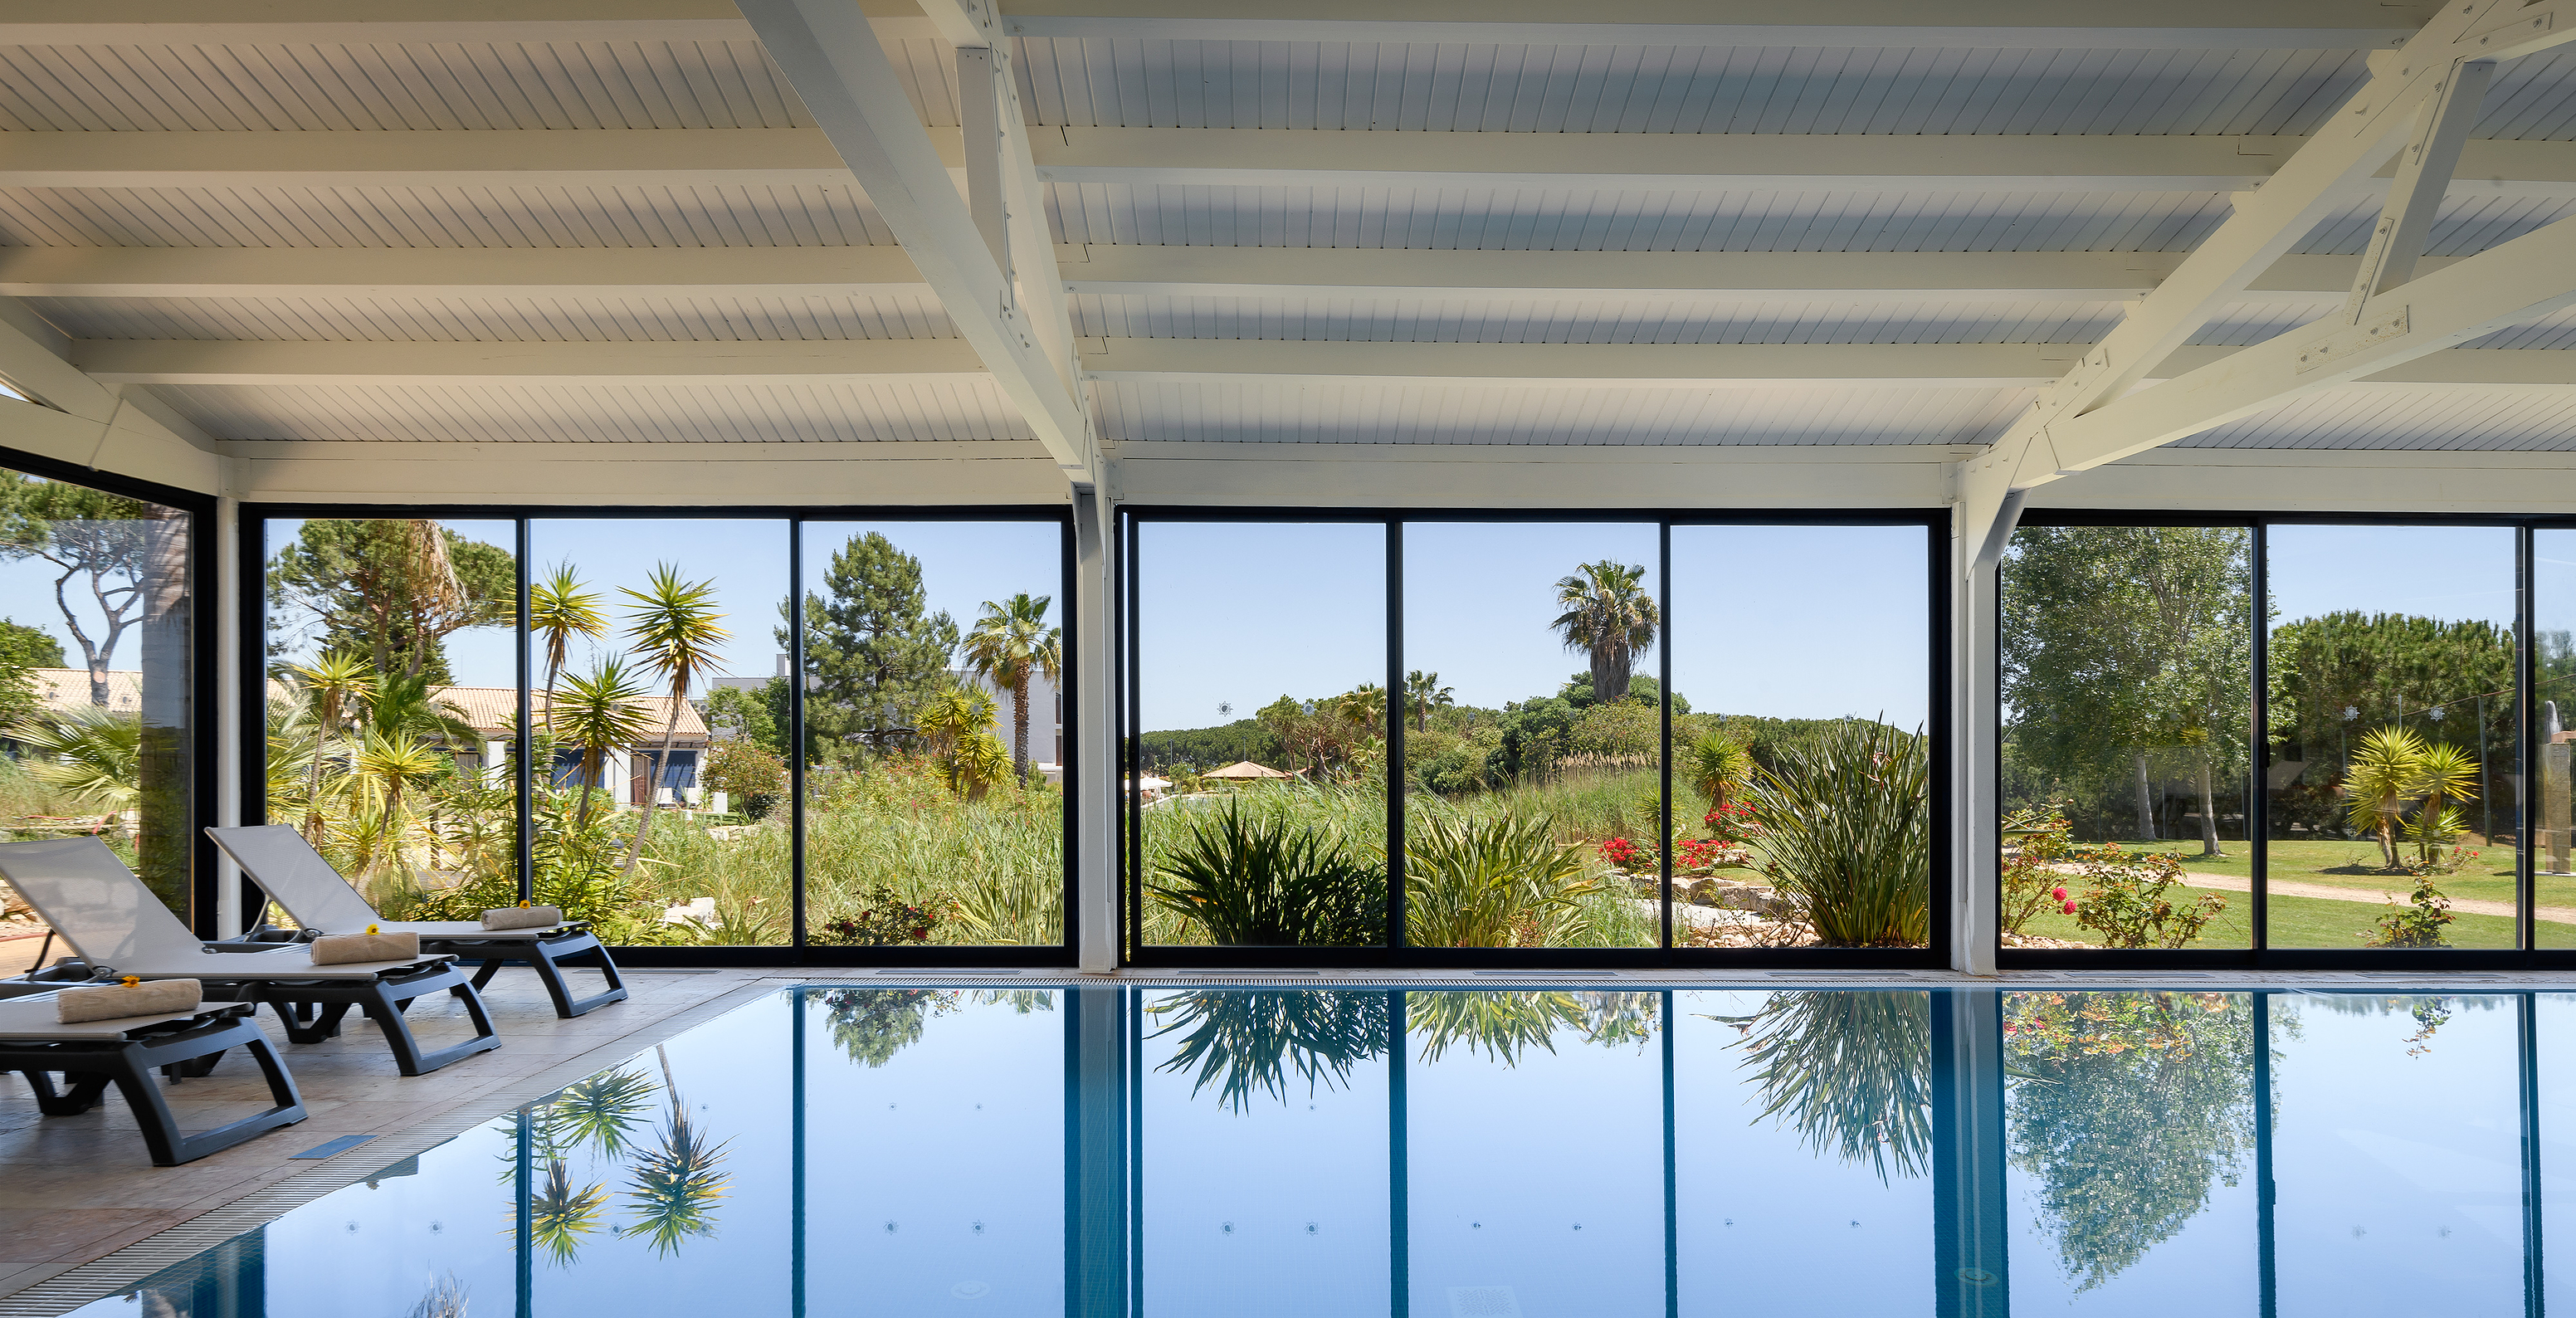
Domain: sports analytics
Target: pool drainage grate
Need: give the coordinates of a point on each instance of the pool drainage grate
(128, 1267)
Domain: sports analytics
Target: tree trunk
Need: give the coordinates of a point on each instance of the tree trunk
(2146, 802)
(165, 843)
(653, 782)
(2208, 812)
(1020, 727)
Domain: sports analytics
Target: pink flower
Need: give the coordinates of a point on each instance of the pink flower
(2070, 908)
(2058, 893)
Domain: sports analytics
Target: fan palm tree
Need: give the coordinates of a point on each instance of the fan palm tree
(91, 752)
(600, 711)
(673, 627)
(675, 1185)
(559, 609)
(1364, 708)
(1610, 616)
(1010, 642)
(333, 682)
(1423, 694)
(949, 718)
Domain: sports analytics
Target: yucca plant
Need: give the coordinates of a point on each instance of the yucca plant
(1254, 881)
(561, 1216)
(2383, 773)
(1497, 882)
(1248, 1043)
(1851, 1070)
(2444, 774)
(1848, 834)
(676, 1184)
(1503, 1023)
(1718, 767)
(601, 1112)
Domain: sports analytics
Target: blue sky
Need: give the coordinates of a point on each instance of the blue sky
(1783, 621)
(2454, 573)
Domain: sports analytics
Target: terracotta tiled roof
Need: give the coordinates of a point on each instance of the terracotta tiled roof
(488, 708)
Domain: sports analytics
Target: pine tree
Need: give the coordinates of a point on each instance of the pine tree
(873, 650)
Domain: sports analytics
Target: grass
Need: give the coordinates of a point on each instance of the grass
(2309, 922)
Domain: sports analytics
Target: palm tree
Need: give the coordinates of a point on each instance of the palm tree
(1423, 692)
(2445, 774)
(676, 1184)
(1364, 708)
(600, 1111)
(334, 682)
(1010, 641)
(673, 626)
(91, 752)
(1609, 616)
(598, 712)
(559, 1216)
(560, 608)
(388, 763)
(1719, 767)
(2385, 771)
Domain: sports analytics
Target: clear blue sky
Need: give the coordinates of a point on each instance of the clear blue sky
(1785, 621)
(963, 565)
(2454, 573)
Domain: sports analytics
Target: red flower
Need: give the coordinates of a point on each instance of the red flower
(2058, 893)
(2070, 908)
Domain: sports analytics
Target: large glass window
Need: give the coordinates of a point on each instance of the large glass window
(2128, 725)
(1802, 749)
(632, 621)
(2392, 658)
(1533, 734)
(1258, 793)
(393, 706)
(97, 675)
(934, 733)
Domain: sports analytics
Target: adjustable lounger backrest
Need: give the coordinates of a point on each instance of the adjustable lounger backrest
(295, 876)
(96, 903)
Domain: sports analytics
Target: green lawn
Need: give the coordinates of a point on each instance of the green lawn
(2315, 922)
(2319, 922)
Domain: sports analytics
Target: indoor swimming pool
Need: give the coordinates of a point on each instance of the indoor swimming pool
(1016, 1149)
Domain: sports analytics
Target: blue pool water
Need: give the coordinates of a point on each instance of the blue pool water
(1082, 1153)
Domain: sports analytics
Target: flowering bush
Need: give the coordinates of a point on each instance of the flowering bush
(1626, 855)
(2031, 881)
(887, 921)
(2416, 924)
(2124, 899)
(1733, 823)
(1701, 857)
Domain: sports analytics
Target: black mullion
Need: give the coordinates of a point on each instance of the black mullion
(1131, 801)
(1396, 782)
(523, 778)
(796, 733)
(1672, 1170)
(2527, 1068)
(2525, 675)
(1399, 1183)
(2263, 1196)
(1664, 610)
(2258, 816)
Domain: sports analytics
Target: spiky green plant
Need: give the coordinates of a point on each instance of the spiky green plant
(561, 1215)
(1718, 768)
(1503, 1023)
(674, 1185)
(2384, 771)
(677, 632)
(601, 1112)
(1494, 882)
(1263, 881)
(1847, 819)
(92, 752)
(1249, 1042)
(1850, 1070)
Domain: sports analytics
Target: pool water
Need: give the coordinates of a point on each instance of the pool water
(1081, 1152)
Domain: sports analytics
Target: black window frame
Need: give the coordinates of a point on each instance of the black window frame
(2261, 956)
(1133, 951)
(253, 519)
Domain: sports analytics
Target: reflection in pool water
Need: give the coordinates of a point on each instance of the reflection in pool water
(1126, 1151)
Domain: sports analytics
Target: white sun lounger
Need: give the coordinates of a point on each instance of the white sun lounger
(92, 1055)
(119, 927)
(295, 876)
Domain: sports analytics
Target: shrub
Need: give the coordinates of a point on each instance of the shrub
(2416, 924)
(2031, 880)
(1500, 882)
(1847, 821)
(745, 770)
(886, 921)
(2124, 899)
(1270, 882)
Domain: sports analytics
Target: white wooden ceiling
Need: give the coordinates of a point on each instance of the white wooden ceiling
(1309, 223)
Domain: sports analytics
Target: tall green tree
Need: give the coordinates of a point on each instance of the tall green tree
(1423, 694)
(95, 543)
(560, 608)
(2393, 669)
(392, 589)
(2122, 641)
(1609, 616)
(874, 652)
(24, 649)
(678, 633)
(1010, 643)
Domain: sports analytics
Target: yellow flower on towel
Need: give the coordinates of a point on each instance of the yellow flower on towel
(374, 929)
(132, 981)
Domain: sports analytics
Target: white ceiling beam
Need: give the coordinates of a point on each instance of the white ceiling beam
(1479, 365)
(618, 157)
(78, 419)
(838, 69)
(390, 22)
(658, 474)
(1262, 272)
(245, 362)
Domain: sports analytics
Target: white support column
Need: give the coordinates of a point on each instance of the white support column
(1974, 733)
(1095, 776)
(231, 712)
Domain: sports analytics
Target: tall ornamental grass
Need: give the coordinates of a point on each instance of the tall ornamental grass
(1847, 819)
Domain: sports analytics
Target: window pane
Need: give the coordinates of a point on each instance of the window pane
(633, 620)
(96, 612)
(934, 726)
(393, 707)
(1803, 657)
(2394, 736)
(1534, 734)
(2553, 599)
(2128, 714)
(1261, 661)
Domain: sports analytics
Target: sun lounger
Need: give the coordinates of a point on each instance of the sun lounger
(93, 1055)
(286, 867)
(119, 927)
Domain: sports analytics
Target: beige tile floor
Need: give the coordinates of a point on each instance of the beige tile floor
(75, 1188)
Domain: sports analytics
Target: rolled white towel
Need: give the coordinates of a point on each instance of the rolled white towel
(523, 917)
(107, 1002)
(341, 949)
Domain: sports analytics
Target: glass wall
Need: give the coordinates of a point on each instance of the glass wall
(393, 706)
(1533, 732)
(2127, 655)
(1541, 669)
(2551, 821)
(98, 677)
(1802, 748)
(934, 732)
(1257, 791)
